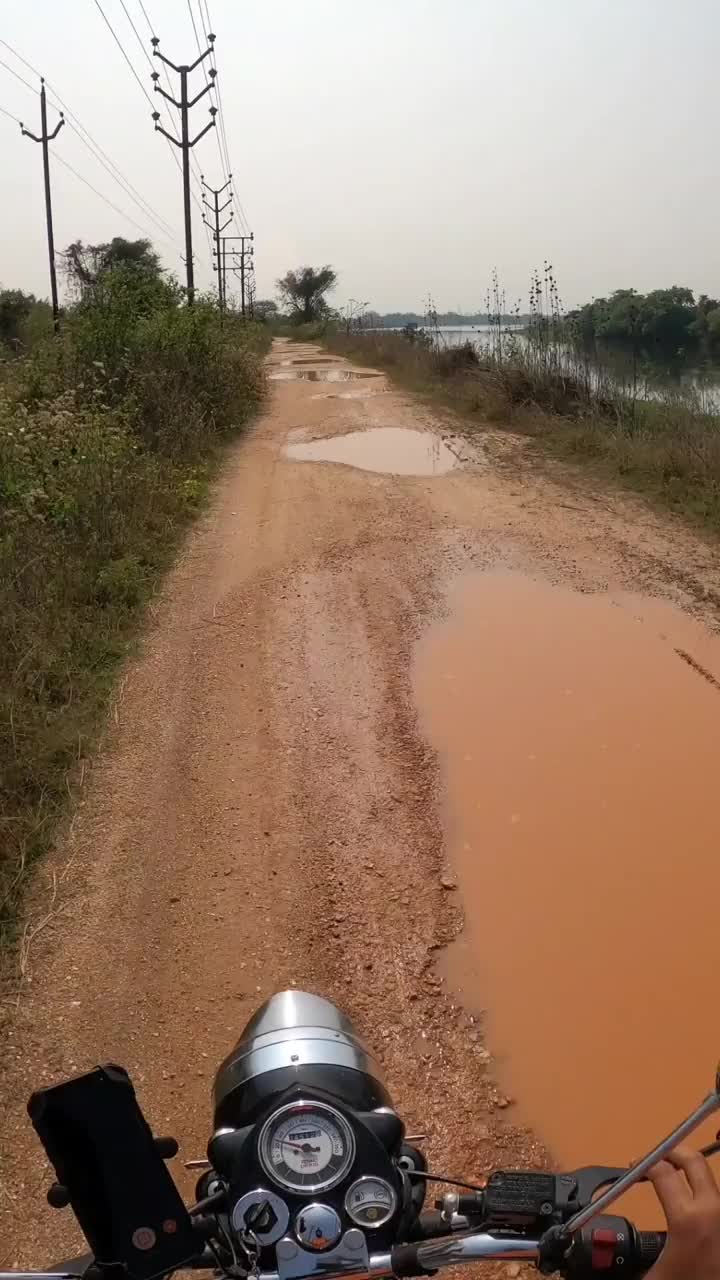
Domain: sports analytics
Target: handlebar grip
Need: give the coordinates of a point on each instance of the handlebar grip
(648, 1247)
(405, 1261)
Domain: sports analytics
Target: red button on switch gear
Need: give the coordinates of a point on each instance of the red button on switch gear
(604, 1244)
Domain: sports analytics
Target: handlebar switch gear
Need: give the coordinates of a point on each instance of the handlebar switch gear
(606, 1244)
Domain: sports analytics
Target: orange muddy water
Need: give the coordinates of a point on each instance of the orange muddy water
(579, 741)
(396, 451)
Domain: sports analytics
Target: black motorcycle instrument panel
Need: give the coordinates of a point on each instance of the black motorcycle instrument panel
(306, 1147)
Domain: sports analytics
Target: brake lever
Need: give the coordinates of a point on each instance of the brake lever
(636, 1173)
(590, 1179)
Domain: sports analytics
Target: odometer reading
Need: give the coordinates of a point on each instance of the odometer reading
(306, 1147)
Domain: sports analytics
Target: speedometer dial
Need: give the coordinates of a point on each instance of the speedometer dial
(306, 1147)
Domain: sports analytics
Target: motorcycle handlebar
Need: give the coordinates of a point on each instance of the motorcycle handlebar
(594, 1249)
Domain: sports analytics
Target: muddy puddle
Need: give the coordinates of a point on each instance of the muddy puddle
(319, 375)
(363, 393)
(310, 360)
(396, 451)
(579, 750)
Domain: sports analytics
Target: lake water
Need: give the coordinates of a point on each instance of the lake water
(608, 368)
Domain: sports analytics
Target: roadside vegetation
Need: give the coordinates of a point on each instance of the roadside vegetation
(669, 320)
(109, 433)
(664, 442)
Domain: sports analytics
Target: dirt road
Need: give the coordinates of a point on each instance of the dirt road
(266, 812)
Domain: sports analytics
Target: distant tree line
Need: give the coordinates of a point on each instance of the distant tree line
(667, 318)
(451, 319)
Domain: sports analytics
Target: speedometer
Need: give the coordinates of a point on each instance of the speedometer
(306, 1147)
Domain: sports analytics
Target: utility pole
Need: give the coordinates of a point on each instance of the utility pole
(251, 292)
(243, 254)
(45, 138)
(184, 143)
(218, 209)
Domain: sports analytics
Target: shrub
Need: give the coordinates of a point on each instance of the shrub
(108, 435)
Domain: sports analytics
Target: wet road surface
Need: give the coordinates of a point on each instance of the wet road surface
(579, 751)
(270, 811)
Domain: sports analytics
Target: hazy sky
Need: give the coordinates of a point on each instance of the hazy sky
(412, 144)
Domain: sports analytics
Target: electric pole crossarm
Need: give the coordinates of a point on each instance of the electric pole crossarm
(164, 132)
(201, 94)
(202, 133)
(27, 134)
(224, 206)
(157, 54)
(184, 142)
(168, 96)
(203, 56)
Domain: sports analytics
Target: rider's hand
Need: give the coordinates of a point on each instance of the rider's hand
(689, 1195)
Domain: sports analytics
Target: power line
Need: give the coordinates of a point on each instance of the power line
(111, 29)
(97, 151)
(99, 194)
(224, 167)
(140, 40)
(9, 115)
(136, 76)
(17, 75)
(163, 227)
(185, 143)
(206, 28)
(145, 16)
(197, 38)
(221, 112)
(222, 139)
(173, 119)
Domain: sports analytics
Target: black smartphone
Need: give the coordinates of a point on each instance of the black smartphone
(101, 1147)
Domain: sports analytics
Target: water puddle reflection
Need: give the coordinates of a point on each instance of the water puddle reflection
(393, 450)
(580, 748)
(320, 375)
(313, 360)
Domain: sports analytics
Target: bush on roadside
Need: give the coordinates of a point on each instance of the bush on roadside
(108, 436)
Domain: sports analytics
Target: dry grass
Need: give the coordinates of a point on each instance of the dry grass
(667, 448)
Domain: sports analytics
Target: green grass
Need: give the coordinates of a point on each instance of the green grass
(667, 448)
(109, 437)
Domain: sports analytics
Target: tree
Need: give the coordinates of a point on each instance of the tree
(669, 318)
(265, 309)
(713, 326)
(85, 264)
(303, 292)
(15, 307)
